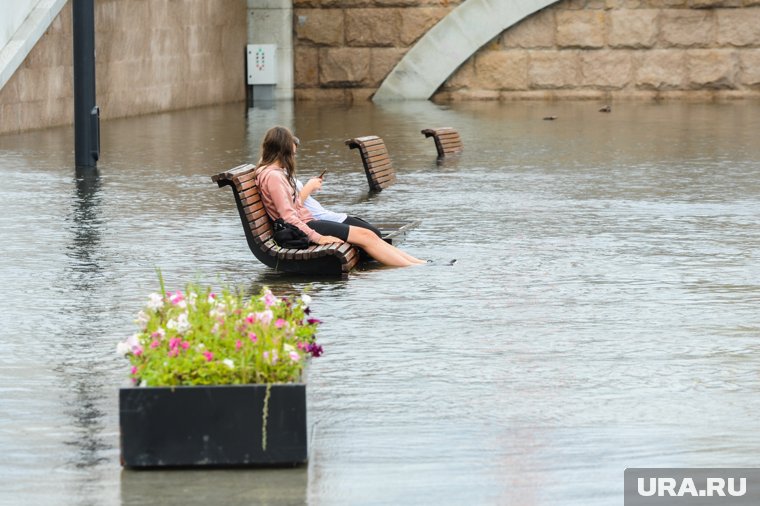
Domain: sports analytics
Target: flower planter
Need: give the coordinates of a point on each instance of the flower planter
(213, 426)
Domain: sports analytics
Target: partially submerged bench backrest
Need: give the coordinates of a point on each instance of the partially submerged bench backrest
(256, 221)
(377, 163)
(447, 140)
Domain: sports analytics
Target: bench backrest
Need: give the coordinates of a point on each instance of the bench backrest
(256, 221)
(377, 163)
(447, 140)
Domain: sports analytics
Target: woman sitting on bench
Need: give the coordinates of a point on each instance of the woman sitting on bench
(276, 179)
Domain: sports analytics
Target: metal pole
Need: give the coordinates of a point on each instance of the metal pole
(86, 113)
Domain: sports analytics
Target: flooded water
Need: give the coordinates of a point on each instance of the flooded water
(603, 312)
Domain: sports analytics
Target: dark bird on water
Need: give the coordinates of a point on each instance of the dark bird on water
(549, 118)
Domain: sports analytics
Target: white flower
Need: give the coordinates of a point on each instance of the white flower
(306, 299)
(289, 347)
(217, 311)
(294, 356)
(183, 325)
(171, 324)
(142, 319)
(229, 363)
(192, 298)
(155, 301)
(122, 348)
(133, 340)
(143, 383)
(265, 316)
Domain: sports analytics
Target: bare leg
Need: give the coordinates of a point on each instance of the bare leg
(379, 249)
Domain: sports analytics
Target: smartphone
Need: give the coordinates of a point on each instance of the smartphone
(322, 175)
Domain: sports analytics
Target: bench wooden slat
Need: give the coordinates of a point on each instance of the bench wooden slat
(255, 212)
(380, 167)
(380, 158)
(385, 176)
(373, 150)
(266, 235)
(249, 193)
(226, 178)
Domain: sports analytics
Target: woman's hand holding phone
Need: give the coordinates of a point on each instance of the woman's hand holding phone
(312, 185)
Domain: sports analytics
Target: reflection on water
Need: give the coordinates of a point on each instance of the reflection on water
(232, 487)
(602, 313)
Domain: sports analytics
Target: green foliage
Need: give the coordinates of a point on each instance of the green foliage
(197, 337)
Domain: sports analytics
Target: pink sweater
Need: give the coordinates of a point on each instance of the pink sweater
(277, 196)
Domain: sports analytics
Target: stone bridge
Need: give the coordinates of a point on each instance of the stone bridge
(519, 49)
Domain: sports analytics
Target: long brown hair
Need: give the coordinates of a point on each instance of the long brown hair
(277, 148)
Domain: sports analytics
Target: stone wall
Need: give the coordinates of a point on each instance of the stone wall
(152, 55)
(619, 49)
(345, 48)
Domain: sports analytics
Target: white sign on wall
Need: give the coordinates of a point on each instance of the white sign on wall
(262, 65)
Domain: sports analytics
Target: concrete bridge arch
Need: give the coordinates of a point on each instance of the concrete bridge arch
(450, 43)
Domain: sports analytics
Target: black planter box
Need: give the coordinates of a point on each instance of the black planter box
(212, 426)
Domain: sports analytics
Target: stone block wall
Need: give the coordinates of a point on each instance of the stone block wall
(151, 56)
(345, 48)
(602, 49)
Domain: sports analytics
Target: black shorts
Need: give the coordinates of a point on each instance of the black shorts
(333, 228)
(358, 222)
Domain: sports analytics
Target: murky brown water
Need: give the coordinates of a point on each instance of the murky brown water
(603, 313)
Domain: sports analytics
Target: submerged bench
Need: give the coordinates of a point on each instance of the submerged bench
(447, 140)
(377, 163)
(320, 260)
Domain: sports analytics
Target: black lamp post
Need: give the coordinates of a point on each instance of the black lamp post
(86, 113)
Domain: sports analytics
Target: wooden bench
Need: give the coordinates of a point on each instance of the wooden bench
(324, 259)
(319, 260)
(447, 140)
(377, 163)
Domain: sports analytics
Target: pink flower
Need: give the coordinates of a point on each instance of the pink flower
(154, 345)
(252, 337)
(185, 344)
(302, 346)
(176, 297)
(174, 343)
(280, 323)
(209, 356)
(294, 356)
(173, 352)
(137, 351)
(250, 318)
(238, 344)
(269, 299)
(134, 370)
(265, 316)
